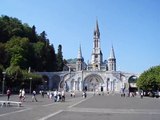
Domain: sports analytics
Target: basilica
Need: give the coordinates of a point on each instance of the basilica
(96, 75)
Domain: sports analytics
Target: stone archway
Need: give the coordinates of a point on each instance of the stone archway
(55, 82)
(45, 80)
(92, 82)
(132, 83)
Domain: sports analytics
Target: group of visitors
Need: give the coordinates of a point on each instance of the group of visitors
(84, 94)
(57, 96)
(21, 95)
(132, 94)
(73, 94)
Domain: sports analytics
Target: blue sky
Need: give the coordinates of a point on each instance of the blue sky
(132, 26)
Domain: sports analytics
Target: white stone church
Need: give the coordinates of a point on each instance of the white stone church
(95, 75)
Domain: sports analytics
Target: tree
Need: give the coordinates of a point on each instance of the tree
(33, 36)
(10, 27)
(60, 59)
(149, 80)
(42, 36)
(51, 64)
(3, 55)
(15, 76)
(21, 46)
(39, 53)
(17, 48)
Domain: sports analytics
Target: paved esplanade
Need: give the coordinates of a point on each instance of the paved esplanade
(107, 107)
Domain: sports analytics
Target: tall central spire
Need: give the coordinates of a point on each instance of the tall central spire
(96, 59)
(96, 31)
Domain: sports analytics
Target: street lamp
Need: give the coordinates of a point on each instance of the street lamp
(30, 82)
(30, 85)
(4, 77)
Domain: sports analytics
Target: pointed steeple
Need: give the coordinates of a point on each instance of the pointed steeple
(80, 60)
(79, 53)
(97, 56)
(112, 54)
(96, 31)
(112, 61)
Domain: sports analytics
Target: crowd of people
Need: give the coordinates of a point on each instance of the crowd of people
(56, 96)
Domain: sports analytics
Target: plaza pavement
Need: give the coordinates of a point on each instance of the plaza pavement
(107, 107)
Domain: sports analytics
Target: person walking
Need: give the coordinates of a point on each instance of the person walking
(141, 94)
(84, 94)
(20, 95)
(8, 94)
(34, 96)
(23, 95)
(55, 94)
(63, 96)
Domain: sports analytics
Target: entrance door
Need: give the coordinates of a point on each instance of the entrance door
(93, 83)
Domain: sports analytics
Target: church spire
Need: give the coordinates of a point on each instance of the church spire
(97, 56)
(112, 60)
(96, 31)
(79, 53)
(80, 60)
(112, 54)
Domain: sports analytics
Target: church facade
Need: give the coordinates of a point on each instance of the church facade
(97, 75)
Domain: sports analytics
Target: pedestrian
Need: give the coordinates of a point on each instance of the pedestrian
(63, 96)
(55, 94)
(48, 94)
(42, 93)
(8, 94)
(84, 94)
(34, 96)
(73, 94)
(23, 95)
(141, 94)
(58, 96)
(20, 95)
(102, 93)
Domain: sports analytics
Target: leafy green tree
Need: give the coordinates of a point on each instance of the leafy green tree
(10, 27)
(15, 76)
(42, 36)
(1, 75)
(150, 80)
(3, 55)
(36, 79)
(20, 47)
(33, 35)
(39, 53)
(18, 50)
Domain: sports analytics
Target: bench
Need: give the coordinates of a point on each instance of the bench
(8, 103)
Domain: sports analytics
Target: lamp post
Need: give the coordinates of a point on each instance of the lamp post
(30, 85)
(30, 82)
(4, 77)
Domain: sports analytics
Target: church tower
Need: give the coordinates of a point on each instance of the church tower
(112, 61)
(96, 58)
(80, 60)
